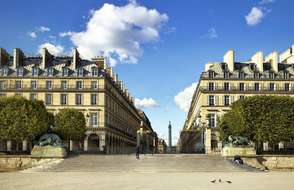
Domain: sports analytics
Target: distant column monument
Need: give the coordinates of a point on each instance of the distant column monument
(169, 137)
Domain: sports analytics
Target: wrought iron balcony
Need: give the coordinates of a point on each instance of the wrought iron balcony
(57, 88)
(250, 89)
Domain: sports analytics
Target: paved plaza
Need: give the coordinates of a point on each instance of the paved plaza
(150, 172)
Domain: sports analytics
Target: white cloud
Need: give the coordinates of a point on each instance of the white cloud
(145, 103)
(255, 16)
(263, 2)
(211, 34)
(53, 49)
(43, 29)
(118, 32)
(32, 34)
(64, 34)
(183, 99)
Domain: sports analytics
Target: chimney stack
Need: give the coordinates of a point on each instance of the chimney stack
(257, 58)
(4, 57)
(273, 59)
(75, 59)
(229, 59)
(18, 57)
(46, 56)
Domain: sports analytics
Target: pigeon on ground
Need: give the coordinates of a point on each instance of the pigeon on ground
(219, 180)
(229, 182)
(213, 181)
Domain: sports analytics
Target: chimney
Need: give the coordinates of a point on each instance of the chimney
(229, 59)
(100, 62)
(46, 56)
(273, 59)
(75, 59)
(18, 57)
(257, 58)
(4, 57)
(287, 56)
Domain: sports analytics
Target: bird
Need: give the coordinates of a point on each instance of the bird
(229, 181)
(219, 180)
(213, 181)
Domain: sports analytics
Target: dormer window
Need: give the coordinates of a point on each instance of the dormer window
(50, 71)
(94, 71)
(210, 74)
(241, 75)
(5, 71)
(19, 71)
(64, 71)
(226, 75)
(35, 71)
(80, 71)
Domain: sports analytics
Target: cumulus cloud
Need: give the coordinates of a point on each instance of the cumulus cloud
(255, 16)
(32, 34)
(53, 49)
(183, 99)
(145, 103)
(118, 32)
(64, 34)
(211, 34)
(43, 29)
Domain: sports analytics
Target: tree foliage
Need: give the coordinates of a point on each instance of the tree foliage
(260, 119)
(21, 119)
(70, 124)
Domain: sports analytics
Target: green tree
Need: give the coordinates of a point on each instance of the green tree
(260, 119)
(70, 124)
(21, 119)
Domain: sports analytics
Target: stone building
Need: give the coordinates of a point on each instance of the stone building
(162, 146)
(222, 83)
(89, 86)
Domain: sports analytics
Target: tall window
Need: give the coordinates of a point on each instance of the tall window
(33, 97)
(212, 120)
(256, 75)
(63, 99)
(256, 86)
(241, 86)
(35, 71)
(63, 84)
(226, 100)
(286, 86)
(33, 84)
(94, 85)
(272, 86)
(211, 101)
(226, 74)
(226, 86)
(48, 99)
(18, 84)
(94, 119)
(211, 86)
(48, 84)
(64, 71)
(241, 75)
(93, 99)
(50, 72)
(19, 71)
(79, 85)
(242, 97)
(78, 99)
(271, 75)
(80, 71)
(94, 71)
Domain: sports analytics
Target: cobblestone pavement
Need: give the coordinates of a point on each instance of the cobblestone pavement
(150, 172)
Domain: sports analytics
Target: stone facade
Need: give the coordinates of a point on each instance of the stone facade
(222, 83)
(90, 86)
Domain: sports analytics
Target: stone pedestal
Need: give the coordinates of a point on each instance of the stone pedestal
(241, 151)
(48, 152)
(8, 144)
(24, 145)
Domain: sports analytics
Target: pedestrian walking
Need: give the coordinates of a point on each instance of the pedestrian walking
(138, 152)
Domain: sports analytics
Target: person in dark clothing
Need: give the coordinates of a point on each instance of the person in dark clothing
(138, 152)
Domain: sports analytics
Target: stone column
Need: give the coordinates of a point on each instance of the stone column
(86, 144)
(9, 144)
(207, 141)
(24, 145)
(70, 145)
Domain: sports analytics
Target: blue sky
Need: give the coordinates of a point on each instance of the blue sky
(158, 47)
